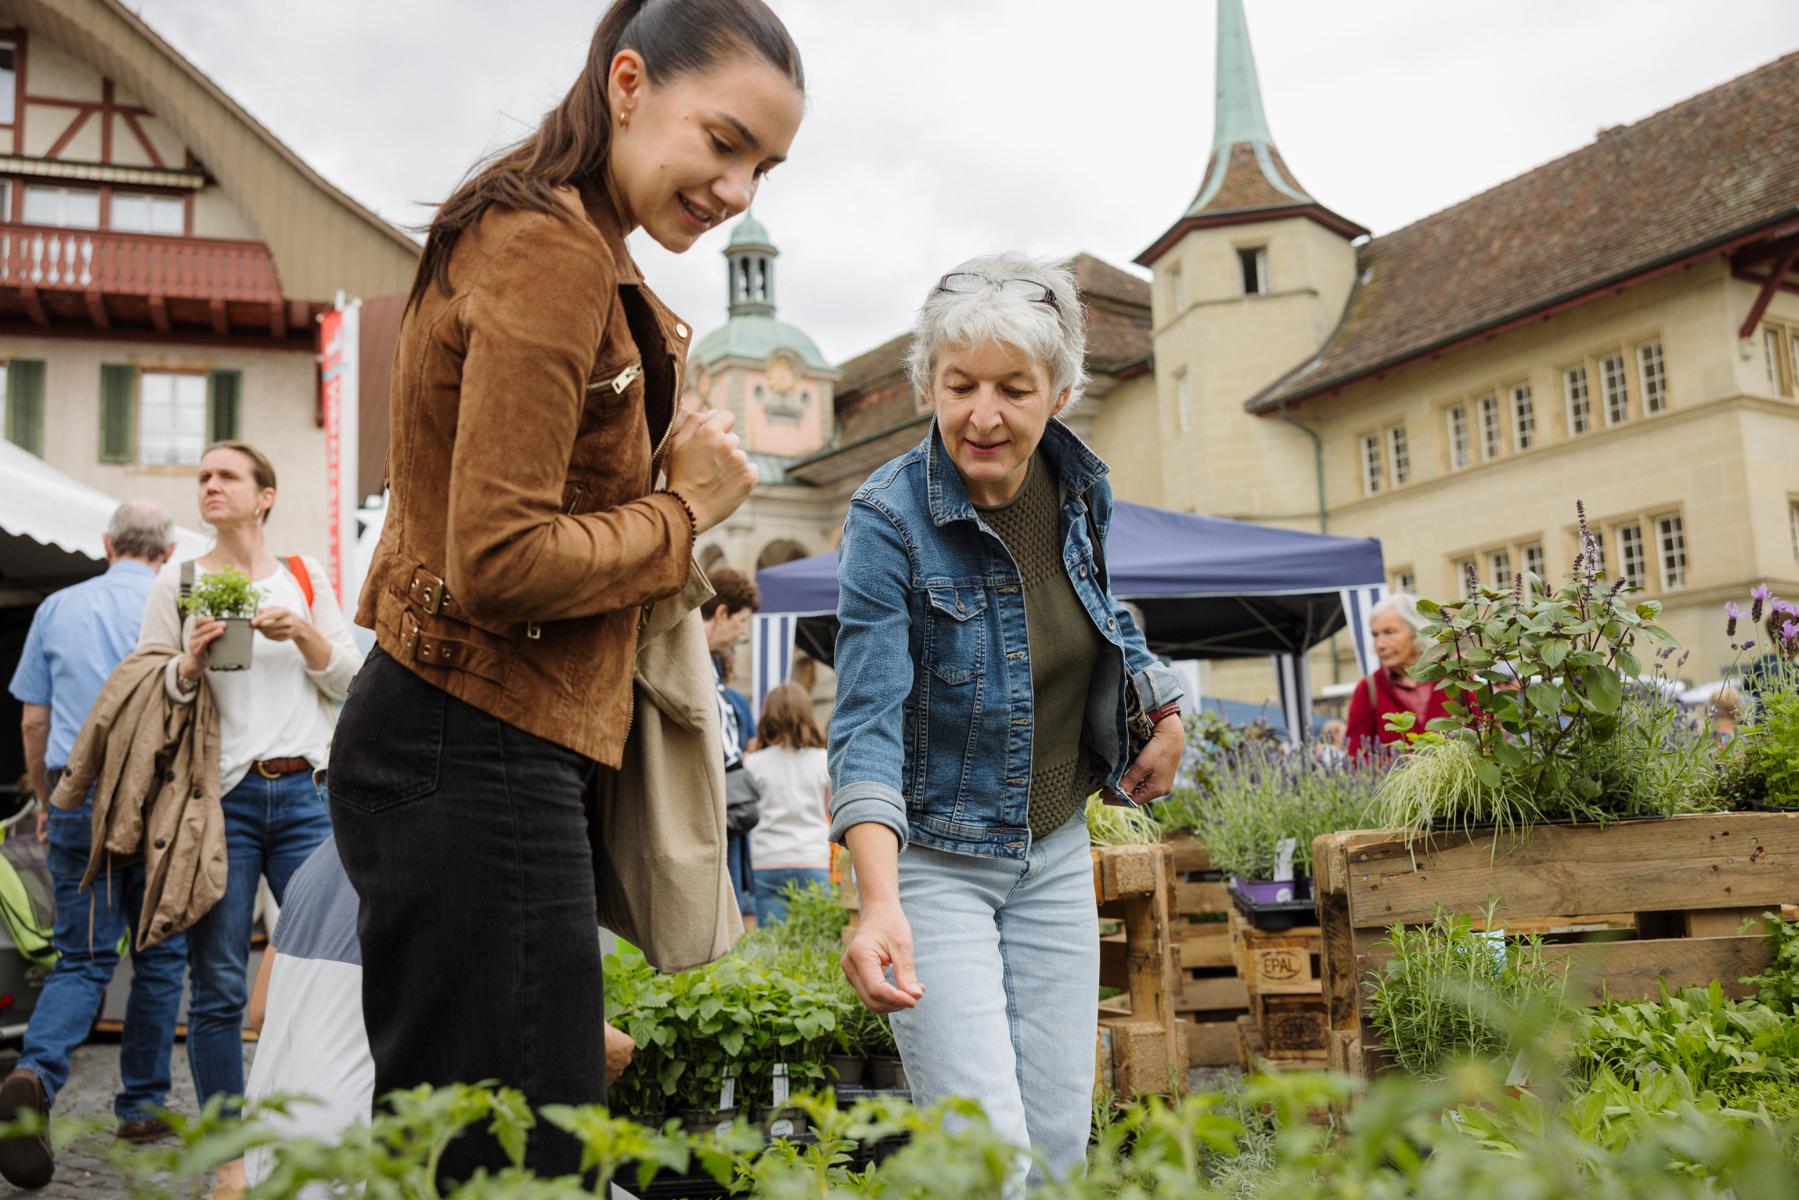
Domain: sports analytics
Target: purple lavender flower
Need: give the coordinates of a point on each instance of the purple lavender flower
(1732, 614)
(1759, 597)
(1789, 632)
(1747, 646)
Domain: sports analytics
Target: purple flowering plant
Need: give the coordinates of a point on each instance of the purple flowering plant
(1762, 767)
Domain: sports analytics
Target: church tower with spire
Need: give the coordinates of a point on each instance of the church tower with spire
(767, 372)
(1249, 282)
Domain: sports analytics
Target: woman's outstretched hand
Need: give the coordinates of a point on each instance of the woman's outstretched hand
(708, 467)
(1152, 775)
(883, 939)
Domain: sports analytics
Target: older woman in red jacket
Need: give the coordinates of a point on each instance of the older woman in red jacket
(1395, 623)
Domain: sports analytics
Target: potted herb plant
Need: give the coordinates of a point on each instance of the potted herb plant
(227, 595)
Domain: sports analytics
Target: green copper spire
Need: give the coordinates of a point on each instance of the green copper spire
(1245, 170)
(1238, 116)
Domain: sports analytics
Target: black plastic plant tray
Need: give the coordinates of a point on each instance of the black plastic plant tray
(1275, 915)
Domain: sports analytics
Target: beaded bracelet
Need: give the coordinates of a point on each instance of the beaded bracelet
(693, 524)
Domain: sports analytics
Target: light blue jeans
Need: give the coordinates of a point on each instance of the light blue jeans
(1008, 952)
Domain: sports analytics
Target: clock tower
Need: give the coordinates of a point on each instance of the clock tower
(767, 372)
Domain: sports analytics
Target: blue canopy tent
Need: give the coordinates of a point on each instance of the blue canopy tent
(1207, 587)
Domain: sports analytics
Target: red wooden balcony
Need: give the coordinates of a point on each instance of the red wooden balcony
(92, 280)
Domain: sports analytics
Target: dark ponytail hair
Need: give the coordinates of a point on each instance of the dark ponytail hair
(570, 145)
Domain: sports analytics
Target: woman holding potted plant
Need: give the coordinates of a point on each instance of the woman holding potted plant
(275, 725)
(547, 492)
(987, 682)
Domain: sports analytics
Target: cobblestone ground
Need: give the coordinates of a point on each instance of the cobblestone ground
(81, 1174)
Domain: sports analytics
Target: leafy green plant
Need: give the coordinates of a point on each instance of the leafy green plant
(1659, 762)
(1778, 985)
(1120, 824)
(227, 592)
(1443, 783)
(1451, 992)
(1531, 674)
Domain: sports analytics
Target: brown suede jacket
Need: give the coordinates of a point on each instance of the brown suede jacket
(523, 537)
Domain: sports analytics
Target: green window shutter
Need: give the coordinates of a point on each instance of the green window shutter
(25, 404)
(222, 391)
(118, 408)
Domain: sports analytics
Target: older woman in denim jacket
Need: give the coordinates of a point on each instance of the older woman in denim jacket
(987, 682)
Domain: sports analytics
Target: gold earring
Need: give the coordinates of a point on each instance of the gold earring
(624, 117)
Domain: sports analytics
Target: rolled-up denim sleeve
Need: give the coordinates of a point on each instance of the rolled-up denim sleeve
(874, 675)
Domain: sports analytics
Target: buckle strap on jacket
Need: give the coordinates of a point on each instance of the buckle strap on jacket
(435, 650)
(430, 593)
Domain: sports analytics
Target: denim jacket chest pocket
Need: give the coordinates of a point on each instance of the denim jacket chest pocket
(956, 638)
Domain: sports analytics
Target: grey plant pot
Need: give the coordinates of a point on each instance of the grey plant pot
(231, 652)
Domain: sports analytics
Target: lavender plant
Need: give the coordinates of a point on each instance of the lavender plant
(1764, 766)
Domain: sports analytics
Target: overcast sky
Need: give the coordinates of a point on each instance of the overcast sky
(938, 129)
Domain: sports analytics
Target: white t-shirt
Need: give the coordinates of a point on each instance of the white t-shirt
(795, 826)
(314, 1042)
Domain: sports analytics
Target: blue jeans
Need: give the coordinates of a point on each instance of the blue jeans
(771, 888)
(1008, 952)
(271, 827)
(737, 861)
(76, 987)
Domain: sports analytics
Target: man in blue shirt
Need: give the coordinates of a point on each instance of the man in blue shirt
(77, 637)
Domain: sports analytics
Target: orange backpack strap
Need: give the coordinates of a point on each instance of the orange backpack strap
(297, 566)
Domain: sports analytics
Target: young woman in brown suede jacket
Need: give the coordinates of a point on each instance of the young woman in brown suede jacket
(534, 402)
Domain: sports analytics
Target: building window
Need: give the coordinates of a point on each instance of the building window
(1406, 580)
(1465, 577)
(1654, 375)
(1499, 568)
(1371, 466)
(1458, 436)
(1793, 524)
(171, 419)
(1489, 426)
(1177, 290)
(1599, 552)
(1524, 418)
(1793, 357)
(1183, 402)
(1580, 405)
(69, 208)
(1671, 534)
(147, 212)
(1617, 393)
(9, 82)
(1399, 455)
(1253, 263)
(1633, 562)
(1533, 559)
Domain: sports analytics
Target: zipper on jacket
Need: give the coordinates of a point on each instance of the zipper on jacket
(618, 383)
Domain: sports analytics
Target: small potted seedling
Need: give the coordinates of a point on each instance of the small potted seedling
(229, 596)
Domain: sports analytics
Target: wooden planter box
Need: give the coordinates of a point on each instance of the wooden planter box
(1631, 906)
(1142, 1051)
(1212, 993)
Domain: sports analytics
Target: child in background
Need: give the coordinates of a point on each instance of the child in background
(791, 843)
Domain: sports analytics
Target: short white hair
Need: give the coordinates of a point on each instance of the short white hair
(1403, 605)
(141, 529)
(1054, 336)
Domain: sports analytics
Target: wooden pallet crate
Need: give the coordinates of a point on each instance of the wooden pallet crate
(1144, 1051)
(1212, 994)
(1630, 907)
(1279, 970)
(1253, 1054)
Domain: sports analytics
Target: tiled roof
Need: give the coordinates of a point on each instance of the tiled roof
(1691, 178)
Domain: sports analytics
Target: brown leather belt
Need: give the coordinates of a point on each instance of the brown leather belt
(275, 768)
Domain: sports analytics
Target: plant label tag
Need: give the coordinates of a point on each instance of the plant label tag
(727, 1095)
(1495, 940)
(1283, 859)
(1519, 1075)
(779, 1094)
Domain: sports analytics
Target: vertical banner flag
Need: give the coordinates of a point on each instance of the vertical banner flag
(1358, 603)
(339, 330)
(771, 655)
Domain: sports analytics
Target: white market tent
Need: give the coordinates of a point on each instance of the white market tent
(51, 526)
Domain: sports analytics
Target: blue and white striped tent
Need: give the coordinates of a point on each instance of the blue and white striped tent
(1208, 588)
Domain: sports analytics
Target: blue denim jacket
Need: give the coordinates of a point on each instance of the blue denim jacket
(931, 736)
